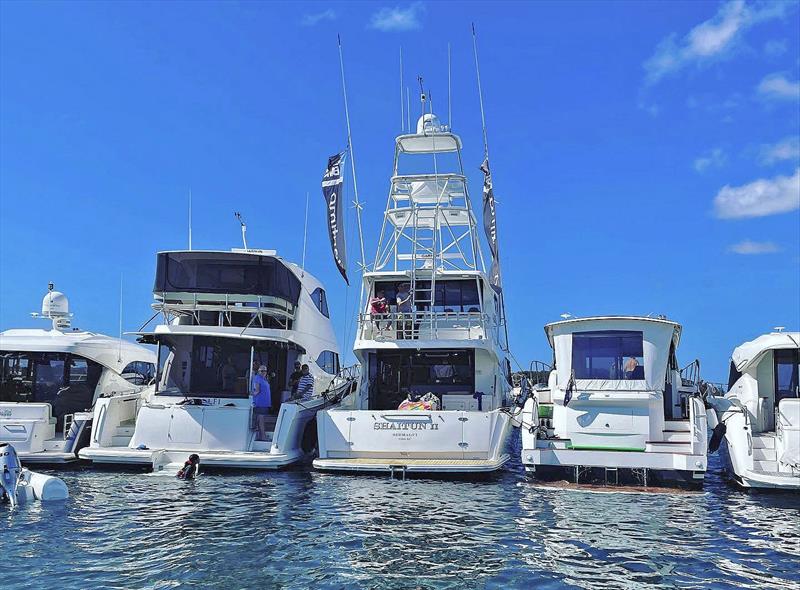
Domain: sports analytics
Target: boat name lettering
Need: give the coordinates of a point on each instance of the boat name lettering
(5, 413)
(405, 426)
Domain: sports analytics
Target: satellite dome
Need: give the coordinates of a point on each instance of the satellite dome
(55, 306)
(429, 123)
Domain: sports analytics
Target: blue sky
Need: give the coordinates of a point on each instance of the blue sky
(645, 155)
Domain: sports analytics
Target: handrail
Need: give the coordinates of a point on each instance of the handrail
(101, 422)
(536, 369)
(692, 371)
(413, 324)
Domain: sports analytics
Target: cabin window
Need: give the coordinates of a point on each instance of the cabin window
(786, 374)
(139, 372)
(450, 295)
(609, 354)
(67, 382)
(328, 361)
(320, 299)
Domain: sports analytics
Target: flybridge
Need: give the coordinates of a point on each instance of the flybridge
(239, 288)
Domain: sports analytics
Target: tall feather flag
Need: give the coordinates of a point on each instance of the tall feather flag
(332, 184)
(490, 226)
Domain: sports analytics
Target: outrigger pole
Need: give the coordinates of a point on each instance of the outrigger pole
(480, 92)
(352, 158)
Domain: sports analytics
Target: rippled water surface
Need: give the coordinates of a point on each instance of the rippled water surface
(300, 529)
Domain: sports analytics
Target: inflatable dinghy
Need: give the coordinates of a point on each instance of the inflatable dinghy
(18, 484)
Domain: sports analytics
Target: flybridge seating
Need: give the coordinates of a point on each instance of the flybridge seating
(241, 289)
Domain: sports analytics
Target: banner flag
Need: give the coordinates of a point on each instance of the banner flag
(332, 184)
(490, 226)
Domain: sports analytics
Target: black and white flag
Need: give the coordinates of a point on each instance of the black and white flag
(332, 184)
(490, 225)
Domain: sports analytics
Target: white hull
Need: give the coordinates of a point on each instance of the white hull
(413, 441)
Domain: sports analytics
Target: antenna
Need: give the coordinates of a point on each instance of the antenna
(566, 316)
(402, 111)
(119, 350)
(305, 236)
(779, 329)
(352, 155)
(408, 108)
(422, 99)
(449, 106)
(480, 91)
(190, 218)
(244, 228)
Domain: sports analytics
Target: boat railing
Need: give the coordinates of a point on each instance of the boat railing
(690, 374)
(539, 373)
(193, 304)
(426, 325)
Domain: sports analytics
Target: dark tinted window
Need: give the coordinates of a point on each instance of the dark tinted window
(328, 361)
(733, 375)
(139, 372)
(225, 272)
(609, 354)
(450, 295)
(321, 301)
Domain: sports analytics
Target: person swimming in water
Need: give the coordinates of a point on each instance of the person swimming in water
(190, 467)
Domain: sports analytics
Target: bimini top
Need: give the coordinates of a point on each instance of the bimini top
(112, 353)
(613, 353)
(750, 353)
(231, 273)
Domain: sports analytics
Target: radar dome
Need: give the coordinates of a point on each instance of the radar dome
(429, 123)
(55, 306)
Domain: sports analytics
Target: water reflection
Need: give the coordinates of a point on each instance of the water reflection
(301, 529)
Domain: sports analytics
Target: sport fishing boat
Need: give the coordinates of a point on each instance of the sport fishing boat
(616, 408)
(50, 380)
(758, 430)
(435, 381)
(226, 315)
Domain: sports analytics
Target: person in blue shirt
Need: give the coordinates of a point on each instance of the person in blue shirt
(262, 401)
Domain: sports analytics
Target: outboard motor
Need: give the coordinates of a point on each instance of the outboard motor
(10, 470)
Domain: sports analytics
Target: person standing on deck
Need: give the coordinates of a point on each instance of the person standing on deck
(294, 378)
(305, 387)
(262, 401)
(405, 310)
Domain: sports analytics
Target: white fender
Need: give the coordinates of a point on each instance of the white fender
(45, 487)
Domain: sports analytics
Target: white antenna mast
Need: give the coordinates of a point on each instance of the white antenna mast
(119, 349)
(480, 92)
(305, 237)
(244, 228)
(190, 219)
(408, 108)
(449, 107)
(352, 156)
(402, 110)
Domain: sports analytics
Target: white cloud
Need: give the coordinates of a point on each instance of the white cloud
(751, 247)
(309, 20)
(775, 47)
(711, 39)
(715, 158)
(786, 149)
(759, 198)
(397, 18)
(778, 87)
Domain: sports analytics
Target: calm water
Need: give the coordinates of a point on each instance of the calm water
(301, 529)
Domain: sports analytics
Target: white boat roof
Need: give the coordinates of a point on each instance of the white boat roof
(611, 320)
(252, 333)
(750, 352)
(112, 353)
(416, 143)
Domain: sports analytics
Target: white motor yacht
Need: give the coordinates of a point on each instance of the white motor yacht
(435, 379)
(616, 407)
(50, 380)
(225, 315)
(759, 417)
